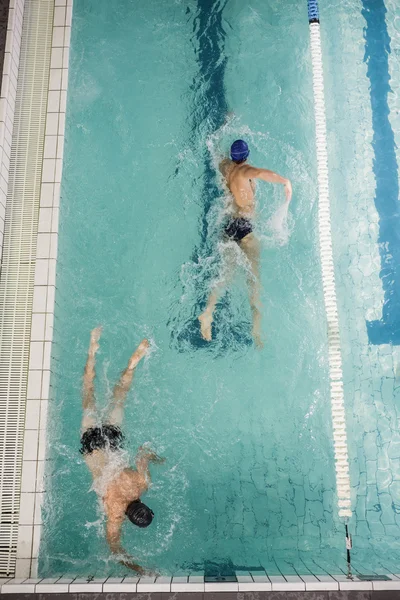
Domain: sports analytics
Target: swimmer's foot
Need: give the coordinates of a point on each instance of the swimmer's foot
(258, 341)
(94, 340)
(205, 326)
(139, 353)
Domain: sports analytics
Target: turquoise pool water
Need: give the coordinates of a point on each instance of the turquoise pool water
(158, 91)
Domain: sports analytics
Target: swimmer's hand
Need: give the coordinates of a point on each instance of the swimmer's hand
(288, 190)
(150, 456)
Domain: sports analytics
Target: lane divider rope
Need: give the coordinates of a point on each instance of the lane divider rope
(328, 274)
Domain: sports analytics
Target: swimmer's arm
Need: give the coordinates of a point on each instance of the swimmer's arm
(144, 457)
(113, 532)
(223, 166)
(271, 177)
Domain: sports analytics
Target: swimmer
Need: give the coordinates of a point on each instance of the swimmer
(119, 486)
(240, 179)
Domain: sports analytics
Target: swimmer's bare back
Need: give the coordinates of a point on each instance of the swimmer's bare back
(240, 181)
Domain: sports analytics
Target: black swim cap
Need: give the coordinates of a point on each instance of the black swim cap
(139, 514)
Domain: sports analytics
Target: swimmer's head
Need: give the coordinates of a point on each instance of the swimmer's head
(239, 151)
(139, 514)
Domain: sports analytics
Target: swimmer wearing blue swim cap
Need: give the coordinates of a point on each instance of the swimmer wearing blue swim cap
(240, 179)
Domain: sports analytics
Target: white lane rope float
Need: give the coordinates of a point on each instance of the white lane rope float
(328, 280)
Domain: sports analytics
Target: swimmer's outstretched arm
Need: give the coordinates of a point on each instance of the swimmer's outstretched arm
(113, 532)
(270, 177)
(143, 458)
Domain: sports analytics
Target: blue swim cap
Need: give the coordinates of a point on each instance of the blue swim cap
(239, 150)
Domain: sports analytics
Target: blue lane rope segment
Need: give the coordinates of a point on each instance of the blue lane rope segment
(313, 12)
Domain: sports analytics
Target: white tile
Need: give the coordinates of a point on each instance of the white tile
(51, 588)
(45, 220)
(67, 37)
(60, 2)
(54, 220)
(42, 448)
(40, 483)
(355, 584)
(37, 532)
(34, 568)
(32, 414)
(55, 79)
(25, 539)
(60, 146)
(5, 86)
(394, 584)
(59, 16)
(68, 16)
(69, 3)
(44, 406)
(81, 586)
(52, 271)
(11, 18)
(162, 584)
(50, 299)
(50, 146)
(56, 196)
(28, 481)
(58, 173)
(261, 583)
(64, 79)
(53, 245)
(119, 584)
(43, 245)
(323, 583)
(196, 583)
(22, 570)
(35, 378)
(66, 58)
(58, 37)
(41, 273)
(47, 356)
(46, 194)
(3, 581)
(23, 566)
(63, 101)
(46, 379)
(221, 586)
(3, 108)
(26, 508)
(56, 59)
(49, 170)
(296, 582)
(51, 123)
(37, 519)
(48, 332)
(36, 355)
(7, 63)
(39, 298)
(61, 124)
(180, 584)
(31, 439)
(145, 584)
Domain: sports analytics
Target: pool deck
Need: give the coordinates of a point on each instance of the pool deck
(366, 595)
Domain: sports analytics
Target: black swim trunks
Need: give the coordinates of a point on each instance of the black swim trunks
(98, 438)
(238, 228)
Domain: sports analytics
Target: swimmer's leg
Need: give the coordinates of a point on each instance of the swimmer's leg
(206, 318)
(88, 400)
(116, 408)
(251, 247)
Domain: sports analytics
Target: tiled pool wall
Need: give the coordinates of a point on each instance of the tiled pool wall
(373, 369)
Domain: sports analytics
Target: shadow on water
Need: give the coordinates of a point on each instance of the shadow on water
(209, 113)
(377, 49)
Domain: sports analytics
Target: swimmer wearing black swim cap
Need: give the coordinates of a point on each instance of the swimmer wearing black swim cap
(119, 486)
(240, 179)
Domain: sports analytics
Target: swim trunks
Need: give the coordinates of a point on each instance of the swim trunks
(98, 438)
(237, 229)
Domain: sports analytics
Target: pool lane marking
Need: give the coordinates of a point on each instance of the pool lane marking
(328, 274)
